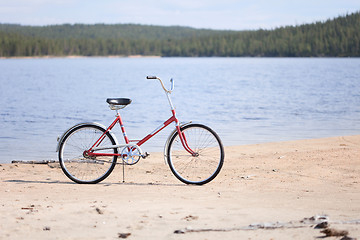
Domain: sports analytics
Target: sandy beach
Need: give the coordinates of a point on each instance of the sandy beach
(265, 191)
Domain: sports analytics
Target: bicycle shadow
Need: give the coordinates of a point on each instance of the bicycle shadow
(147, 184)
(105, 184)
(31, 181)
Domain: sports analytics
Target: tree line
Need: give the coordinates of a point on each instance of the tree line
(338, 37)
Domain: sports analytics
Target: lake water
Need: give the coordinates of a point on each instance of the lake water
(245, 100)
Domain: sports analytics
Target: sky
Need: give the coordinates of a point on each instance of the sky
(211, 14)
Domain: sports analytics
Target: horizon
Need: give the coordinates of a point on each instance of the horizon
(222, 15)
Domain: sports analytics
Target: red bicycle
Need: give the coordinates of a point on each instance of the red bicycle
(88, 152)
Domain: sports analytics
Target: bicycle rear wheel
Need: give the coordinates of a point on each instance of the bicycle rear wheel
(79, 167)
(198, 169)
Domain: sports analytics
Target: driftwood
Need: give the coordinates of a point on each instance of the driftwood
(314, 222)
(33, 162)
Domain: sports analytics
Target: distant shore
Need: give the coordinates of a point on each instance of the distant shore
(124, 39)
(150, 56)
(78, 56)
(264, 191)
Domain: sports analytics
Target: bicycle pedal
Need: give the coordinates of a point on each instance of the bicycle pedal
(146, 154)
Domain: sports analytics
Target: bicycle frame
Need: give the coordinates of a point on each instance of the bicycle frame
(91, 152)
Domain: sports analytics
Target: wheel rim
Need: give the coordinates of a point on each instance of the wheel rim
(197, 168)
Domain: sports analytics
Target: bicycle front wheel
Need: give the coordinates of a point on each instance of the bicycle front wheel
(202, 167)
(76, 164)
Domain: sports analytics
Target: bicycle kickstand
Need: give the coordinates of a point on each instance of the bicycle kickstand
(123, 164)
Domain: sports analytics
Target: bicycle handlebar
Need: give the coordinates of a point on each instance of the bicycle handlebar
(162, 84)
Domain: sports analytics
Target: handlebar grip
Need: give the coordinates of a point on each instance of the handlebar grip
(151, 77)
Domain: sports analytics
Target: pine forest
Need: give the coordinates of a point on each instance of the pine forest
(338, 37)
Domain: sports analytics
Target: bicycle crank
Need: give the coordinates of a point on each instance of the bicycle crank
(130, 155)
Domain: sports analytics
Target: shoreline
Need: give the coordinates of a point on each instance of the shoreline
(155, 56)
(45, 161)
(79, 56)
(278, 190)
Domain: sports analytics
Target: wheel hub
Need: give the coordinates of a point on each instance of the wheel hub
(87, 155)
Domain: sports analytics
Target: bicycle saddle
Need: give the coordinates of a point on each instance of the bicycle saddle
(118, 101)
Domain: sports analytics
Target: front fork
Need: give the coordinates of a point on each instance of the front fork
(185, 143)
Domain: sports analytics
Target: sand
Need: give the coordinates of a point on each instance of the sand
(264, 191)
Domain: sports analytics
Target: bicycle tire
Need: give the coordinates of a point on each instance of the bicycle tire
(79, 168)
(199, 169)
